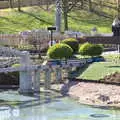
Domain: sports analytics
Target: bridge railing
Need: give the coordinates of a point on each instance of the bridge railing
(30, 76)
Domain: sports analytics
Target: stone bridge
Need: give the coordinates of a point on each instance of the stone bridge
(29, 74)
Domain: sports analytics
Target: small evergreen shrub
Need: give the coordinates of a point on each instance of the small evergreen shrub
(73, 43)
(59, 51)
(95, 50)
(91, 49)
(84, 49)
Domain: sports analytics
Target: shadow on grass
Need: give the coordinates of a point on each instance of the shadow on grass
(72, 79)
(14, 23)
(36, 17)
(114, 66)
(78, 71)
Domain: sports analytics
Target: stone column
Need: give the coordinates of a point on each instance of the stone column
(47, 78)
(67, 70)
(26, 75)
(36, 81)
(58, 73)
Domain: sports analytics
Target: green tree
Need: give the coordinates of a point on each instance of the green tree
(60, 51)
(118, 7)
(10, 3)
(67, 6)
(90, 5)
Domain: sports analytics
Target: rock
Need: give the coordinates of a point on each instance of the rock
(116, 102)
(110, 102)
(113, 78)
(103, 98)
(93, 101)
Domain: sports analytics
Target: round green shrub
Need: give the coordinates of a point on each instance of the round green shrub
(84, 49)
(73, 43)
(95, 50)
(59, 51)
(91, 49)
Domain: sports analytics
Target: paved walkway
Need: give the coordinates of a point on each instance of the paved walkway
(110, 52)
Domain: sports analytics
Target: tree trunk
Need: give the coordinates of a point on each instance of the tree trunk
(82, 4)
(47, 6)
(90, 5)
(10, 2)
(65, 21)
(118, 6)
(65, 13)
(19, 5)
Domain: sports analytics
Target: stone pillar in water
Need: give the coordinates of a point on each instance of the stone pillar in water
(67, 70)
(36, 81)
(58, 73)
(26, 75)
(47, 78)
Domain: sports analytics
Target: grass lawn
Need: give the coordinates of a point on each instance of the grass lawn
(13, 21)
(97, 70)
(85, 21)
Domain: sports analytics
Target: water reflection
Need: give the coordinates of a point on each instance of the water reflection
(99, 115)
(49, 106)
(9, 112)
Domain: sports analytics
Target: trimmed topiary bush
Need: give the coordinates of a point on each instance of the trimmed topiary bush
(95, 50)
(84, 49)
(59, 51)
(73, 43)
(91, 49)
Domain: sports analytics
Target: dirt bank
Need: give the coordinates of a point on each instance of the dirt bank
(93, 93)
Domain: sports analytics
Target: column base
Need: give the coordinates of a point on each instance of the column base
(25, 91)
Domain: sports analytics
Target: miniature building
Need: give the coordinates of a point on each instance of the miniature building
(116, 27)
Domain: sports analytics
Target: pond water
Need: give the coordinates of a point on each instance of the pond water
(49, 106)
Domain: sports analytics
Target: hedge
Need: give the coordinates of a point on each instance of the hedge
(73, 43)
(59, 51)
